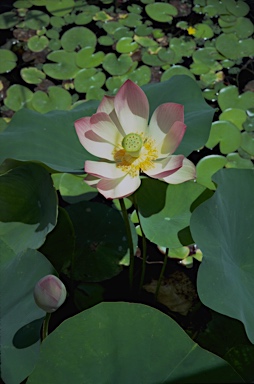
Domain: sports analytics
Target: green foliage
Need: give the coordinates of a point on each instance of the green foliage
(8, 60)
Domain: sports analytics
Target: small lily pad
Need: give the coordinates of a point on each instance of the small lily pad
(32, 75)
(169, 55)
(60, 7)
(78, 37)
(87, 78)
(176, 70)
(161, 12)
(145, 41)
(237, 8)
(8, 60)
(122, 32)
(115, 82)
(105, 40)
(207, 167)
(86, 58)
(242, 27)
(152, 60)
(22, 4)
(203, 31)
(229, 98)
(126, 45)
(57, 21)
(226, 134)
(8, 20)
(52, 33)
(141, 76)
(143, 30)
(37, 43)
(236, 161)
(57, 98)
(65, 67)
(36, 19)
(132, 20)
(228, 44)
(247, 143)
(54, 45)
(95, 93)
(83, 18)
(235, 116)
(18, 97)
(182, 47)
(111, 27)
(117, 66)
(102, 16)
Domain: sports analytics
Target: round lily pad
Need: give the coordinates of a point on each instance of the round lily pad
(83, 18)
(86, 58)
(54, 44)
(126, 45)
(60, 7)
(57, 98)
(161, 12)
(117, 66)
(235, 116)
(87, 78)
(236, 161)
(32, 75)
(143, 30)
(8, 20)
(237, 8)
(52, 33)
(8, 60)
(78, 37)
(112, 27)
(95, 93)
(226, 134)
(105, 40)
(247, 143)
(176, 70)
(37, 43)
(228, 44)
(36, 19)
(115, 82)
(207, 167)
(122, 32)
(57, 21)
(182, 47)
(22, 4)
(230, 98)
(132, 20)
(203, 31)
(145, 41)
(65, 67)
(18, 97)
(152, 59)
(141, 76)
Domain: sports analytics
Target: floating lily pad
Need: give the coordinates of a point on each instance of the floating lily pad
(235, 116)
(8, 20)
(126, 45)
(83, 18)
(52, 33)
(122, 32)
(132, 20)
(237, 8)
(54, 45)
(176, 70)
(18, 97)
(141, 76)
(8, 60)
(247, 143)
(22, 4)
(32, 75)
(37, 43)
(65, 67)
(182, 47)
(60, 7)
(207, 167)
(203, 31)
(57, 21)
(152, 60)
(161, 12)
(36, 19)
(236, 161)
(228, 44)
(95, 93)
(169, 55)
(146, 41)
(78, 37)
(86, 58)
(117, 66)
(226, 134)
(87, 78)
(143, 30)
(102, 16)
(73, 189)
(57, 98)
(111, 27)
(115, 82)
(105, 40)
(242, 27)
(230, 98)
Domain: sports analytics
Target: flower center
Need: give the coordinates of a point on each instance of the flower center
(132, 143)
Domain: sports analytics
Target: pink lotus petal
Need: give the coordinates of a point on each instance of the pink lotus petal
(103, 170)
(132, 108)
(107, 104)
(162, 121)
(166, 167)
(172, 140)
(185, 173)
(118, 188)
(103, 126)
(92, 142)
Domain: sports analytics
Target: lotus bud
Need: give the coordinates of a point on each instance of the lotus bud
(49, 293)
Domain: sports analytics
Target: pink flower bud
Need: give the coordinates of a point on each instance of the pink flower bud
(49, 293)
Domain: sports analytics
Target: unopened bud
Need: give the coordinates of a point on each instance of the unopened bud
(49, 293)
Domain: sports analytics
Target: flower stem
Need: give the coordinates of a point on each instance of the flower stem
(45, 326)
(129, 238)
(161, 274)
(143, 248)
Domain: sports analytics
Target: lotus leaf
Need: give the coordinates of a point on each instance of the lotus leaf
(203, 31)
(249, 123)
(37, 43)
(115, 82)
(132, 20)
(227, 20)
(86, 58)
(117, 66)
(243, 28)
(199, 68)
(54, 45)
(229, 45)
(8, 60)
(95, 93)
(32, 75)
(141, 76)
(145, 41)
(230, 98)
(52, 33)
(65, 67)
(18, 97)
(57, 21)
(3, 124)
(235, 116)
(105, 40)
(218, 6)
(207, 167)
(60, 7)
(112, 27)
(152, 60)
(73, 189)
(182, 47)
(8, 20)
(236, 161)
(143, 30)
(78, 37)
(237, 8)
(161, 12)
(176, 70)
(38, 2)
(126, 45)
(36, 19)
(209, 94)
(22, 4)
(227, 63)
(247, 143)
(83, 18)
(134, 9)
(57, 98)
(225, 133)
(122, 32)
(87, 78)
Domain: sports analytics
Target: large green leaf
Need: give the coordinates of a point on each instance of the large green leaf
(165, 209)
(126, 343)
(20, 316)
(222, 227)
(28, 206)
(51, 138)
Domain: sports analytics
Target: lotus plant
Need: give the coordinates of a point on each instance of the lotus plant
(119, 134)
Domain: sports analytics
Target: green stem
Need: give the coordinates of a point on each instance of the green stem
(161, 274)
(144, 247)
(130, 242)
(45, 326)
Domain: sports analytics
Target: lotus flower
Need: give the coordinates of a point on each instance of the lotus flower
(119, 134)
(49, 293)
